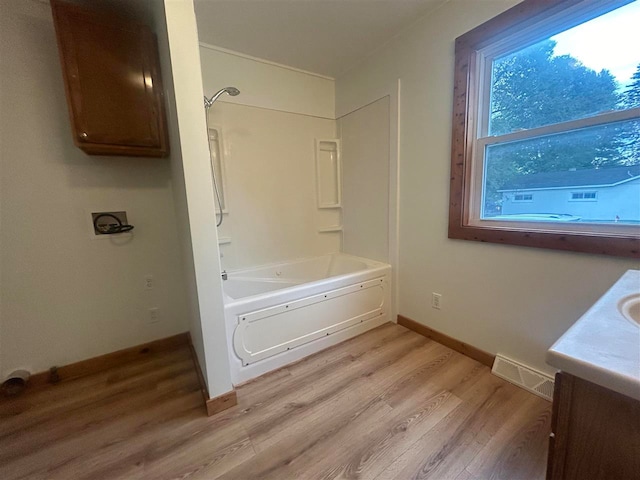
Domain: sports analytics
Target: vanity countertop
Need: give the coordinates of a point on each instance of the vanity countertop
(603, 346)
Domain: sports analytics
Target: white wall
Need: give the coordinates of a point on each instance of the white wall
(270, 186)
(268, 140)
(196, 172)
(157, 14)
(513, 300)
(266, 85)
(365, 180)
(66, 296)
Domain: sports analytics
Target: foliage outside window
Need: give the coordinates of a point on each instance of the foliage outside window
(544, 125)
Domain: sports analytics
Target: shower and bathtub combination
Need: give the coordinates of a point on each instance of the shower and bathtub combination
(278, 313)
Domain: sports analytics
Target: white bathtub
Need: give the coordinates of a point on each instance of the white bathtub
(277, 314)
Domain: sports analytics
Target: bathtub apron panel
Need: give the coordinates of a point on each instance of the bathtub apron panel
(277, 314)
(273, 330)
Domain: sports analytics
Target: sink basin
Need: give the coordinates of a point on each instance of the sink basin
(630, 308)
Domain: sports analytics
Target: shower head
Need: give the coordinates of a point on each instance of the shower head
(232, 91)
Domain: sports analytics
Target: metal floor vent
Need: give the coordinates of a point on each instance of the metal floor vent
(526, 377)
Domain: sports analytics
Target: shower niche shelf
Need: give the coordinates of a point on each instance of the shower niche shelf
(328, 173)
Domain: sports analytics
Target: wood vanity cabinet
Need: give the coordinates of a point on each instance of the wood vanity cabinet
(595, 432)
(112, 79)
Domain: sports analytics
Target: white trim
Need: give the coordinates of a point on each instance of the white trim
(392, 90)
(574, 187)
(563, 127)
(262, 60)
(394, 194)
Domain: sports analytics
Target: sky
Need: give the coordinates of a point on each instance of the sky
(611, 41)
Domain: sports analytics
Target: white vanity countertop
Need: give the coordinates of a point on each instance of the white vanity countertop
(603, 346)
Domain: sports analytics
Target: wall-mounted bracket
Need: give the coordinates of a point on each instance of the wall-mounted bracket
(110, 223)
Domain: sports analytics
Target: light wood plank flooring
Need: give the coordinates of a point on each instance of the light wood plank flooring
(389, 404)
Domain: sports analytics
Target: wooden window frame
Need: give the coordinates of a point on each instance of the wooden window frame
(531, 19)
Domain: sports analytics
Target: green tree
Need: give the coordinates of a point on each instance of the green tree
(631, 99)
(532, 88)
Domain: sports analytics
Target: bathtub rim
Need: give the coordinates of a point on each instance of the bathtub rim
(373, 267)
(366, 261)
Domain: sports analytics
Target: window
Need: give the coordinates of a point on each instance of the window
(523, 197)
(547, 99)
(583, 196)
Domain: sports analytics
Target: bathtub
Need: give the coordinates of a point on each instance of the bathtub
(277, 314)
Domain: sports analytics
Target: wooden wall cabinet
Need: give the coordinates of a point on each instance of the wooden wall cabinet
(595, 432)
(112, 78)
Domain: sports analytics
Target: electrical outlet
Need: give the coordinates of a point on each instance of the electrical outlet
(154, 317)
(148, 282)
(436, 300)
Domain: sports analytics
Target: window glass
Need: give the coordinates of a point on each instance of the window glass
(589, 69)
(583, 196)
(603, 159)
(523, 197)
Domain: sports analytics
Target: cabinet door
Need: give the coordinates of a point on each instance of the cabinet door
(597, 432)
(112, 80)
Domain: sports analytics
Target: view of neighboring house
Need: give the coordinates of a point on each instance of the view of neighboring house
(600, 194)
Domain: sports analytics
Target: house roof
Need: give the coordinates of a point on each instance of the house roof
(592, 177)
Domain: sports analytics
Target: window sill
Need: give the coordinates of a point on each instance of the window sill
(621, 245)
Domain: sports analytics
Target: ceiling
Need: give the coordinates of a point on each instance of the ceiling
(320, 36)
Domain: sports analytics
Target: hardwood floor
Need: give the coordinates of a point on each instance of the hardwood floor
(389, 404)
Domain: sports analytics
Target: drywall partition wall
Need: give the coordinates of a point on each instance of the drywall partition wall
(499, 298)
(365, 180)
(67, 296)
(265, 84)
(158, 19)
(187, 83)
(268, 135)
